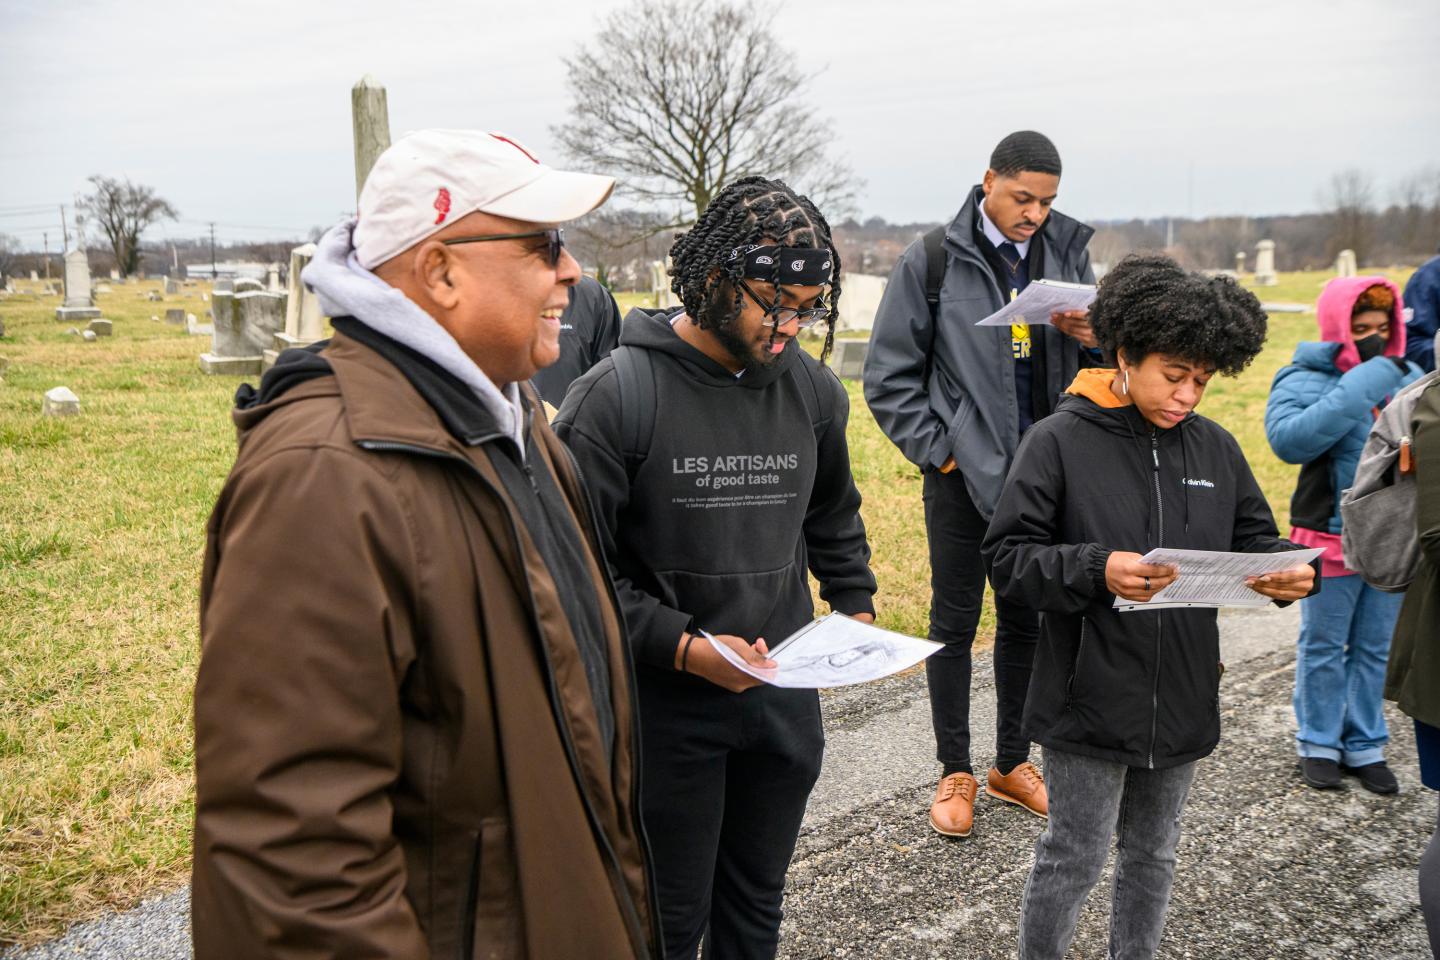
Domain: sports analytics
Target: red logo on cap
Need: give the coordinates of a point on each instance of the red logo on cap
(504, 139)
(442, 203)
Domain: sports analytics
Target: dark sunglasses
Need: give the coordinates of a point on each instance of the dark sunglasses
(777, 315)
(554, 236)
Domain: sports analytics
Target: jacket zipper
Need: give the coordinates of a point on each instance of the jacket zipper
(613, 861)
(1075, 670)
(1159, 626)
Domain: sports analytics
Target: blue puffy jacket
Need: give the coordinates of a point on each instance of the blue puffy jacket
(1422, 295)
(1319, 417)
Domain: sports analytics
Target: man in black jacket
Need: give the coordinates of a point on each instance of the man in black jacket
(956, 399)
(715, 451)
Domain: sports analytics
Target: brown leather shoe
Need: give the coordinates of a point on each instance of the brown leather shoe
(953, 812)
(1022, 786)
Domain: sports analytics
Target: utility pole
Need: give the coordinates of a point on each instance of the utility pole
(213, 276)
(64, 230)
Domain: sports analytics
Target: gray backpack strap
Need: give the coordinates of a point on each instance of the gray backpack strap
(635, 379)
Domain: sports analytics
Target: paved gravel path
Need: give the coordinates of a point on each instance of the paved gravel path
(1268, 868)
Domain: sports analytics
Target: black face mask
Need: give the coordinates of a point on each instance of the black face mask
(1370, 347)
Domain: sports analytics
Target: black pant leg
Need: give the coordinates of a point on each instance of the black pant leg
(767, 784)
(954, 529)
(1017, 630)
(689, 728)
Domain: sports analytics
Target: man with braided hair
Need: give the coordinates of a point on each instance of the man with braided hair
(956, 398)
(715, 452)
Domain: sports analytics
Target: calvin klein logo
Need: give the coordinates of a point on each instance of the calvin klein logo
(1192, 482)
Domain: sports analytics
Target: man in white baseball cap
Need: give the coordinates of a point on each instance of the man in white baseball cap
(426, 745)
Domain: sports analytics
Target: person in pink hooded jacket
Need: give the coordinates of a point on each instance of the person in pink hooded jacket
(1320, 411)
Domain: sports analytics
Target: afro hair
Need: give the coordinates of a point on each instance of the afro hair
(1149, 304)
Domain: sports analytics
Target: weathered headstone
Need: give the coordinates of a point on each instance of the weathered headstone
(1265, 275)
(370, 117)
(245, 324)
(849, 360)
(272, 278)
(1239, 262)
(90, 336)
(660, 286)
(1345, 265)
(861, 302)
(304, 323)
(197, 329)
(60, 402)
(114, 274)
(34, 277)
(247, 284)
(101, 328)
(154, 296)
(175, 316)
(79, 301)
(172, 286)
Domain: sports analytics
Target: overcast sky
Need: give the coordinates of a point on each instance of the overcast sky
(239, 112)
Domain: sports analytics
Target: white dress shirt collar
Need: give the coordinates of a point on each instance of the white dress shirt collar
(993, 234)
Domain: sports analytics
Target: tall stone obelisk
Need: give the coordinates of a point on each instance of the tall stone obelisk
(371, 117)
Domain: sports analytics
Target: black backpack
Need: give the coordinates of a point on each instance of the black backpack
(933, 242)
(635, 380)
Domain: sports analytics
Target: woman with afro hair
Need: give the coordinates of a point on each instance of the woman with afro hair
(1125, 703)
(1320, 411)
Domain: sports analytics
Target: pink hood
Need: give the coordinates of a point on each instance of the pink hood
(1333, 310)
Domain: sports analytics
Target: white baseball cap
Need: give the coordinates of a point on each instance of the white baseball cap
(431, 178)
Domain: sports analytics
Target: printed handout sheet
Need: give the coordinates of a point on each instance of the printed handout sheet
(1211, 578)
(1038, 300)
(834, 651)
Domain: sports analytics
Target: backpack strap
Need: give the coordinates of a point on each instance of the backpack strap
(813, 398)
(934, 242)
(635, 381)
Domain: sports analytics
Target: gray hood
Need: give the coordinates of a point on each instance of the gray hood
(347, 289)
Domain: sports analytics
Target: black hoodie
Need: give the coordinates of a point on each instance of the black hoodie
(1137, 688)
(740, 492)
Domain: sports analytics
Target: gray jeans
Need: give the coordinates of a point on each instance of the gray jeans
(1091, 801)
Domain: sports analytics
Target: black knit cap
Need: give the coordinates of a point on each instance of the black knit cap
(1025, 150)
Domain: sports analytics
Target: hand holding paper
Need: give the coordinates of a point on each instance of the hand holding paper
(834, 651)
(1212, 578)
(1039, 300)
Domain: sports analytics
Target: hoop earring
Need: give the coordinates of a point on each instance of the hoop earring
(1125, 386)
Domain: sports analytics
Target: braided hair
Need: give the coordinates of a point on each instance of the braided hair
(749, 210)
(1150, 304)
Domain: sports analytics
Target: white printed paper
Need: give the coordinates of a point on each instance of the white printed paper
(1212, 578)
(1038, 300)
(834, 651)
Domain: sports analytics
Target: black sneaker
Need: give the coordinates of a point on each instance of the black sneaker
(1320, 773)
(1375, 777)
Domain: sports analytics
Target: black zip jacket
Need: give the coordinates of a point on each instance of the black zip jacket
(1136, 688)
(739, 496)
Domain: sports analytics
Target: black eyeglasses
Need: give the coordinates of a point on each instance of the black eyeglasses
(777, 315)
(554, 236)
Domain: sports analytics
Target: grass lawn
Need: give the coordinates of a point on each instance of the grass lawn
(102, 521)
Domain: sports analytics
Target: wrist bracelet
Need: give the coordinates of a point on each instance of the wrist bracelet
(685, 653)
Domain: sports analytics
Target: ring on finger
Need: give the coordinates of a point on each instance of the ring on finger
(1147, 584)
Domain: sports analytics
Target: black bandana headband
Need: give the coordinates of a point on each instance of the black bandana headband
(800, 266)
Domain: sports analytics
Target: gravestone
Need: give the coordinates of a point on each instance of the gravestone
(102, 288)
(204, 298)
(1265, 275)
(247, 284)
(34, 277)
(114, 274)
(660, 286)
(79, 300)
(245, 324)
(849, 360)
(172, 286)
(89, 336)
(101, 328)
(154, 296)
(1239, 262)
(861, 302)
(304, 324)
(197, 329)
(370, 118)
(1345, 265)
(60, 402)
(272, 278)
(175, 316)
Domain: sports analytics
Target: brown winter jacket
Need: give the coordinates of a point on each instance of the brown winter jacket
(396, 748)
(1413, 678)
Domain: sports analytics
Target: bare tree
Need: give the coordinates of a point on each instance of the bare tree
(9, 255)
(122, 210)
(1350, 200)
(678, 99)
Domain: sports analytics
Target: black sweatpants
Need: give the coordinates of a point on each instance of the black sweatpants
(957, 587)
(725, 780)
